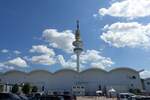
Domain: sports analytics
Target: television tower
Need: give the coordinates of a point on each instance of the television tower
(78, 46)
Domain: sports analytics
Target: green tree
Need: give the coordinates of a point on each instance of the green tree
(1, 88)
(26, 88)
(34, 89)
(135, 91)
(15, 88)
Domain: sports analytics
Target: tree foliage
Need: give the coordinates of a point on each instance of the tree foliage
(26, 88)
(34, 89)
(15, 88)
(1, 88)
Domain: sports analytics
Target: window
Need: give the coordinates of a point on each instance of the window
(132, 85)
(133, 77)
(148, 83)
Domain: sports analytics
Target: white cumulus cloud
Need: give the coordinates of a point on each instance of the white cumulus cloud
(96, 59)
(131, 34)
(5, 51)
(145, 74)
(44, 56)
(5, 67)
(42, 49)
(43, 59)
(17, 52)
(66, 64)
(128, 9)
(19, 62)
(90, 58)
(62, 40)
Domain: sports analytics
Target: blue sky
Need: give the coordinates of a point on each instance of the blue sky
(28, 29)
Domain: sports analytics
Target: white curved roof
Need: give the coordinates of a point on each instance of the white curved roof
(94, 69)
(14, 71)
(71, 70)
(65, 70)
(123, 68)
(39, 70)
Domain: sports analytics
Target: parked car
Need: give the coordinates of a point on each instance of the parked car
(57, 97)
(125, 96)
(23, 97)
(49, 97)
(9, 96)
(140, 97)
(68, 97)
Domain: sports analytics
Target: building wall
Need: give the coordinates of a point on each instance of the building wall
(40, 78)
(64, 80)
(147, 85)
(93, 79)
(13, 77)
(121, 79)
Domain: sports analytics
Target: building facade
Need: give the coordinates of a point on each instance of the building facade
(67, 80)
(146, 83)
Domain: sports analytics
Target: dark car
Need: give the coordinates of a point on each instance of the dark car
(48, 97)
(23, 97)
(57, 97)
(69, 97)
(9, 96)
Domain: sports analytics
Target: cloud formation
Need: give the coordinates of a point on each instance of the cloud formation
(95, 59)
(62, 40)
(5, 67)
(90, 58)
(131, 34)
(5, 51)
(18, 62)
(16, 52)
(145, 74)
(43, 59)
(66, 64)
(44, 55)
(130, 9)
(42, 49)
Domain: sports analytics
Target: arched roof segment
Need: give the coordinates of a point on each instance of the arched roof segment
(14, 71)
(123, 68)
(65, 70)
(41, 71)
(94, 69)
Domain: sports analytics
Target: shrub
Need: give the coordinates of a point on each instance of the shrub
(34, 89)
(26, 88)
(15, 88)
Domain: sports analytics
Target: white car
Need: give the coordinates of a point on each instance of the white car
(140, 97)
(125, 96)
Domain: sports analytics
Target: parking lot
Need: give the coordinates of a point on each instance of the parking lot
(94, 98)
